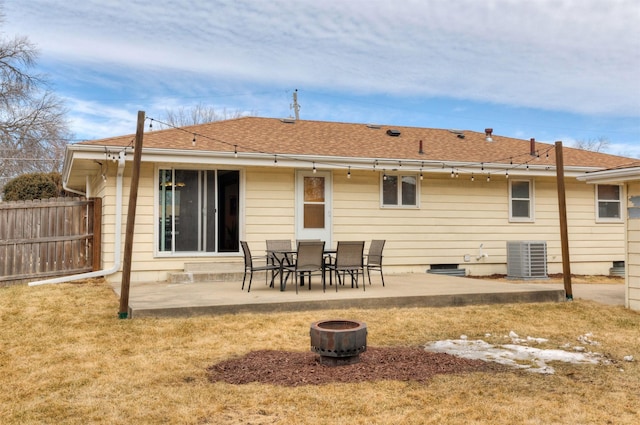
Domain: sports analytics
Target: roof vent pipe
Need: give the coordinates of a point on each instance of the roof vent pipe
(487, 133)
(532, 150)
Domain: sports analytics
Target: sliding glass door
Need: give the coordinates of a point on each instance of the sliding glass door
(198, 211)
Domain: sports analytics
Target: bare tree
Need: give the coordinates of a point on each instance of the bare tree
(601, 144)
(199, 114)
(33, 126)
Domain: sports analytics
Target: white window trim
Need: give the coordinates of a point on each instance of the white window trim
(532, 204)
(597, 206)
(156, 215)
(400, 206)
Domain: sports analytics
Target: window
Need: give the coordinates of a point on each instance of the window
(198, 211)
(399, 191)
(608, 202)
(521, 200)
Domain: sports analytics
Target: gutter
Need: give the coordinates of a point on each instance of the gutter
(118, 236)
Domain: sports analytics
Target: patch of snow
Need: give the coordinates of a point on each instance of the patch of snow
(514, 355)
(586, 339)
(628, 358)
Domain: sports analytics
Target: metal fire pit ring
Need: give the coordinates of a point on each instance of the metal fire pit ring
(338, 341)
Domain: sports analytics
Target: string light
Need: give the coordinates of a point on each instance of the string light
(506, 174)
(193, 142)
(275, 159)
(452, 173)
(150, 123)
(349, 173)
(384, 175)
(489, 177)
(314, 168)
(235, 151)
(472, 178)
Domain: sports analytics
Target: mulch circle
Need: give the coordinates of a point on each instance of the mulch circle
(377, 363)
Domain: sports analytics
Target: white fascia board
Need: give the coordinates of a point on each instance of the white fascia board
(619, 175)
(243, 159)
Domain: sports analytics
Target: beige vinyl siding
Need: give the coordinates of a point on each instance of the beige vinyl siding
(633, 253)
(457, 215)
(269, 206)
(454, 217)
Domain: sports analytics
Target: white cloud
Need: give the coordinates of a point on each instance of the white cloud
(560, 55)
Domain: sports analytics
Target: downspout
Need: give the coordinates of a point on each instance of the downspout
(118, 237)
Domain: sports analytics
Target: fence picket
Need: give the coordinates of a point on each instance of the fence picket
(46, 238)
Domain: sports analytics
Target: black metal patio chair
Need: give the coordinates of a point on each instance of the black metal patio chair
(309, 259)
(374, 258)
(250, 267)
(278, 258)
(348, 260)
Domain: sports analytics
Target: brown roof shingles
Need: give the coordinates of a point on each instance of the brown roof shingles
(273, 136)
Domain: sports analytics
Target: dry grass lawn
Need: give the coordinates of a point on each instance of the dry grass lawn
(66, 358)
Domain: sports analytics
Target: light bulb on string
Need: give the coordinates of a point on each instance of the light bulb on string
(275, 160)
(150, 123)
(452, 173)
(384, 175)
(235, 151)
(506, 174)
(472, 178)
(489, 177)
(314, 168)
(193, 142)
(349, 173)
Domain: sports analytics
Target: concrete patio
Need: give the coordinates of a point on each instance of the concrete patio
(161, 299)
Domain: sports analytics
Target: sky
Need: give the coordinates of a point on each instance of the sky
(566, 70)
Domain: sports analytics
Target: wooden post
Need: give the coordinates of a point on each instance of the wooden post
(564, 233)
(131, 220)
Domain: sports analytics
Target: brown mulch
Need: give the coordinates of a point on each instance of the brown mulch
(303, 368)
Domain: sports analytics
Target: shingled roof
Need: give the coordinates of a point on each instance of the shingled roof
(272, 136)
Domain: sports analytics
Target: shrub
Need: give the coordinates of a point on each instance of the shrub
(32, 186)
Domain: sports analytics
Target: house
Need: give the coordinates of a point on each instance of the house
(629, 177)
(442, 199)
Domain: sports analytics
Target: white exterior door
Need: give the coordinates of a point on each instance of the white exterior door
(313, 206)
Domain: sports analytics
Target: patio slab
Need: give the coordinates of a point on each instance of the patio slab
(161, 299)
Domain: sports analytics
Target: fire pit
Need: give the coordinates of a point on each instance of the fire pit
(339, 342)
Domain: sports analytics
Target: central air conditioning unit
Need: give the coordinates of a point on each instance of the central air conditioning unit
(526, 260)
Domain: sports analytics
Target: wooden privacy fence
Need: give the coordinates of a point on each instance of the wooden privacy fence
(49, 237)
